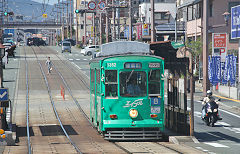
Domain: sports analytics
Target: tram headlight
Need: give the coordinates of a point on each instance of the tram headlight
(133, 113)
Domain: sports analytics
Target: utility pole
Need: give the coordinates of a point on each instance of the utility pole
(113, 16)
(67, 20)
(85, 25)
(62, 21)
(206, 85)
(130, 20)
(153, 33)
(94, 43)
(107, 24)
(100, 22)
(71, 19)
(77, 17)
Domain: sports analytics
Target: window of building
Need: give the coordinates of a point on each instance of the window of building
(81, 26)
(111, 84)
(211, 10)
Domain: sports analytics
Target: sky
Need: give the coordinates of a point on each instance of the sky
(50, 1)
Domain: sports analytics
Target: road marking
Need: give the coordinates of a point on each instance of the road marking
(80, 69)
(70, 59)
(235, 130)
(234, 100)
(229, 113)
(1, 96)
(200, 148)
(77, 59)
(84, 59)
(217, 145)
(223, 124)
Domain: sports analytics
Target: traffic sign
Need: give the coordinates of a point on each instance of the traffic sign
(219, 46)
(44, 15)
(92, 5)
(235, 22)
(101, 5)
(3, 94)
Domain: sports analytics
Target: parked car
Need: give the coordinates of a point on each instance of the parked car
(66, 46)
(90, 50)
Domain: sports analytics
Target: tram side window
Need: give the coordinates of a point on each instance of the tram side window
(92, 80)
(98, 80)
(111, 85)
(154, 82)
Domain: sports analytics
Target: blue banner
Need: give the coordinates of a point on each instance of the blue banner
(214, 69)
(209, 69)
(229, 73)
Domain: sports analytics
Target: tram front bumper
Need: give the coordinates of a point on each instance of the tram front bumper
(131, 123)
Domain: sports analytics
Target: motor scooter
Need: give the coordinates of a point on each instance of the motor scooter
(211, 110)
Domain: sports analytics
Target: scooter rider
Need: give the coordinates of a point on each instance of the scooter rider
(208, 99)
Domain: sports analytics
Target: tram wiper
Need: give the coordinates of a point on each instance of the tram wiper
(129, 76)
(150, 74)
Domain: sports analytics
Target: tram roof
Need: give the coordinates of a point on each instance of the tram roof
(123, 47)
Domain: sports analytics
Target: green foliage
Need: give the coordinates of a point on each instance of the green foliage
(195, 46)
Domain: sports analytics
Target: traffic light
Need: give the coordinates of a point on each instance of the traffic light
(79, 11)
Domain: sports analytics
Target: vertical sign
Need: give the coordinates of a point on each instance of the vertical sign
(145, 30)
(219, 45)
(235, 30)
(139, 31)
(235, 22)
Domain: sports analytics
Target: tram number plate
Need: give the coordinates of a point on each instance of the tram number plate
(111, 65)
(154, 65)
(155, 109)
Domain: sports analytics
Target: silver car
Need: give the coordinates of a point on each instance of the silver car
(66, 46)
(90, 50)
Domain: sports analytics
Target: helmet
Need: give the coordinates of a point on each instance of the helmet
(209, 93)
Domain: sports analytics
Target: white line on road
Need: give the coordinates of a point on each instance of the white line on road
(223, 124)
(200, 148)
(84, 59)
(70, 59)
(80, 69)
(229, 113)
(77, 59)
(217, 145)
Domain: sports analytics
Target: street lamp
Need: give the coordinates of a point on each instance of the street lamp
(226, 16)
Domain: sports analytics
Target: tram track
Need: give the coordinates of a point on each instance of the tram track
(27, 104)
(85, 115)
(76, 102)
(53, 105)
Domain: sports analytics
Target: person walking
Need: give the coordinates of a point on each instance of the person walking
(49, 65)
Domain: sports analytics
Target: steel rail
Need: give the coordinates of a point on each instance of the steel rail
(85, 115)
(53, 105)
(27, 104)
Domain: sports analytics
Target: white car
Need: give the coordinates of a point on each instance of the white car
(90, 50)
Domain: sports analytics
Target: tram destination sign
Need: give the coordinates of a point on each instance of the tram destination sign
(235, 22)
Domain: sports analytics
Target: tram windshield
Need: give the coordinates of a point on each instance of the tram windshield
(133, 84)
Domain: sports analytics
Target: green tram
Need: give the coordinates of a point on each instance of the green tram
(127, 92)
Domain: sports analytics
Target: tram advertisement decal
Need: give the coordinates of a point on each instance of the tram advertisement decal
(134, 103)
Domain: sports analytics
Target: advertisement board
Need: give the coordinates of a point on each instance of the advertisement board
(219, 45)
